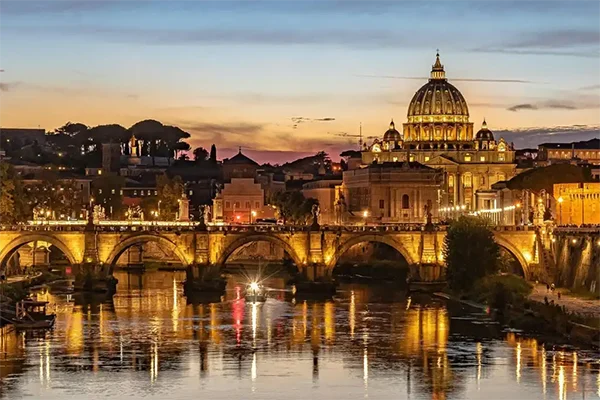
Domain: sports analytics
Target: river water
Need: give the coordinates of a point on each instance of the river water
(147, 342)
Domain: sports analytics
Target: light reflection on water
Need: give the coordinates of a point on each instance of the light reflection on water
(148, 342)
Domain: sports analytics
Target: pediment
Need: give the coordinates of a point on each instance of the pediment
(441, 160)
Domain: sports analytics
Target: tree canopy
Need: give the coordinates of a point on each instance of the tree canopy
(293, 207)
(470, 252)
(170, 192)
(545, 177)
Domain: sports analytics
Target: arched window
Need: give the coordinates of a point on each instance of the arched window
(451, 181)
(405, 201)
(468, 180)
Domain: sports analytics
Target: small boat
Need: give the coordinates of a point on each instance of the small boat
(31, 314)
(255, 293)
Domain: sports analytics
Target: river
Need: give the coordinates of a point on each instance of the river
(147, 342)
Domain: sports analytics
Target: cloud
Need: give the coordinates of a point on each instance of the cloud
(424, 78)
(519, 107)
(300, 120)
(554, 105)
(531, 137)
(566, 42)
(591, 87)
(364, 39)
(9, 86)
(340, 8)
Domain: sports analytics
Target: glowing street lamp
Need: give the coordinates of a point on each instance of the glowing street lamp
(252, 216)
(560, 201)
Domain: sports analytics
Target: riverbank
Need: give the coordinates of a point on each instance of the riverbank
(547, 322)
(574, 304)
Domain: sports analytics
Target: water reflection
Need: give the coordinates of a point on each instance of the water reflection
(147, 341)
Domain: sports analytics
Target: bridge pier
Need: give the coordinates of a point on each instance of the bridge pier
(204, 279)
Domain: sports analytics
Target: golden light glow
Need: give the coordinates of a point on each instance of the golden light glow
(560, 199)
(527, 256)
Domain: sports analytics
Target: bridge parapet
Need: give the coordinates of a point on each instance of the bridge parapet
(103, 244)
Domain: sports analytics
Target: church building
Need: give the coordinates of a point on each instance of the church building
(439, 134)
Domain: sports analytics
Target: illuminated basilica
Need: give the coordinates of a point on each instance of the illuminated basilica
(439, 135)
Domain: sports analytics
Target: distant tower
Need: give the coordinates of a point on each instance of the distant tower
(111, 157)
(133, 147)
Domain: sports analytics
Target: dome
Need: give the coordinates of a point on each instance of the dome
(392, 135)
(484, 133)
(438, 98)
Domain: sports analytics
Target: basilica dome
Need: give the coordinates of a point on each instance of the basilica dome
(392, 135)
(484, 133)
(438, 100)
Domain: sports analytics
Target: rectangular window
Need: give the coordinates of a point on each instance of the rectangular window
(191, 192)
(156, 192)
(381, 204)
(426, 158)
(236, 205)
(467, 157)
(227, 205)
(135, 192)
(482, 158)
(247, 205)
(143, 192)
(99, 191)
(112, 191)
(121, 192)
(411, 158)
(256, 205)
(500, 157)
(395, 159)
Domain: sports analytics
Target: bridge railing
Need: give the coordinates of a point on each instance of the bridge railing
(594, 229)
(177, 226)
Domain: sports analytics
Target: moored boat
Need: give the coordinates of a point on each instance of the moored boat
(32, 314)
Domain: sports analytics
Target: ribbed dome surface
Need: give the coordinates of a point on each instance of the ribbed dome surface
(438, 97)
(392, 135)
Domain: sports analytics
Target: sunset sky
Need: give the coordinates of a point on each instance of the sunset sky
(286, 79)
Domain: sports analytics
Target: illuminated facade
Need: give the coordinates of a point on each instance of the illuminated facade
(240, 201)
(587, 151)
(391, 193)
(438, 134)
(578, 203)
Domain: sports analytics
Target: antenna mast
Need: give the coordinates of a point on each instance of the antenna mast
(360, 139)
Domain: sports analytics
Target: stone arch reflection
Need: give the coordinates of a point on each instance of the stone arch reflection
(371, 260)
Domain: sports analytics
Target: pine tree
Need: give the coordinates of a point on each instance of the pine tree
(213, 154)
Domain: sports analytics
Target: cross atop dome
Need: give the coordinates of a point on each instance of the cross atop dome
(392, 125)
(437, 70)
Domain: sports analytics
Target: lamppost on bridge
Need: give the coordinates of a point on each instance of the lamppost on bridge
(252, 216)
(560, 201)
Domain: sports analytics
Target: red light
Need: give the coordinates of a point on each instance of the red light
(68, 270)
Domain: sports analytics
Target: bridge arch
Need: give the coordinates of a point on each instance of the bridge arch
(241, 241)
(515, 252)
(144, 238)
(368, 237)
(11, 248)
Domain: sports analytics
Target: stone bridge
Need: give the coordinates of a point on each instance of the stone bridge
(314, 252)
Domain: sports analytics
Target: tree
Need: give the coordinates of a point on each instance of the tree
(170, 192)
(107, 193)
(200, 154)
(470, 252)
(294, 208)
(57, 197)
(7, 194)
(213, 154)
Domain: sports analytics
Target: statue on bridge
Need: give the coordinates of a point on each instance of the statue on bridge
(429, 223)
(316, 210)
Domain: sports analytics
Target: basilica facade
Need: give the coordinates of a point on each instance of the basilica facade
(439, 135)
